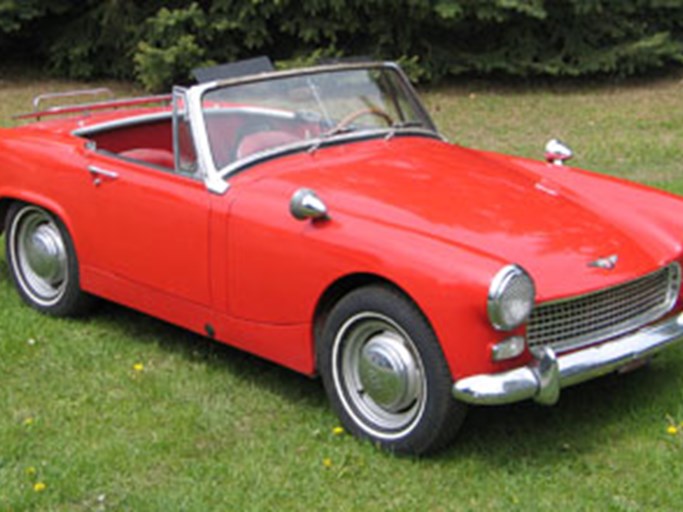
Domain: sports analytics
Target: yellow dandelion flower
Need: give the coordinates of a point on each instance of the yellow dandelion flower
(39, 487)
(138, 367)
(337, 431)
(327, 462)
(28, 421)
(30, 471)
(672, 429)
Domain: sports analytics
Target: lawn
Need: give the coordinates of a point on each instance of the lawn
(118, 411)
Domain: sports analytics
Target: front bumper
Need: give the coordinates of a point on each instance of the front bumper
(542, 379)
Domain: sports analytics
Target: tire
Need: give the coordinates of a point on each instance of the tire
(385, 375)
(42, 261)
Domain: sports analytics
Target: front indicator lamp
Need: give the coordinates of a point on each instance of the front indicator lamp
(508, 348)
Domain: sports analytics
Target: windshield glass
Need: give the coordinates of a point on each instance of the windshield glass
(279, 113)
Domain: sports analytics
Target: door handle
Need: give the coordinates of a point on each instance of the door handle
(98, 174)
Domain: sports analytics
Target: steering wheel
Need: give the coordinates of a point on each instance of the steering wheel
(341, 125)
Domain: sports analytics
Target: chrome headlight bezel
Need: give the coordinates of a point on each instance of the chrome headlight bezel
(506, 309)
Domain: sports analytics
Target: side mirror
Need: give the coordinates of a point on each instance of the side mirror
(305, 204)
(557, 152)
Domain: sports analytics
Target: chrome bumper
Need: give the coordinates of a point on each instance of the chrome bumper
(548, 373)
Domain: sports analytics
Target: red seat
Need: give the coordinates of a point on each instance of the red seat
(155, 156)
(260, 141)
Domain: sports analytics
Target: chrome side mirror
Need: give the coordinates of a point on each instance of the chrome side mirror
(306, 204)
(557, 152)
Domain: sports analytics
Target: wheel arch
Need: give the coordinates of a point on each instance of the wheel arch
(343, 286)
(5, 203)
(37, 200)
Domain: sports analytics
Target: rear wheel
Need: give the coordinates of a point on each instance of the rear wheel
(42, 261)
(385, 374)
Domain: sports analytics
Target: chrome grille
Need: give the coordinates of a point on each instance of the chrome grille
(579, 321)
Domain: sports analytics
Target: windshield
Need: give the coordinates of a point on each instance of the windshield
(245, 120)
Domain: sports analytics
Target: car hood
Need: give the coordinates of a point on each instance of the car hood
(506, 208)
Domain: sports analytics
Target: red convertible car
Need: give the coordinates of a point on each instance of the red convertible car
(315, 217)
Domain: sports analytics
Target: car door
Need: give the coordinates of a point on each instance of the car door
(151, 227)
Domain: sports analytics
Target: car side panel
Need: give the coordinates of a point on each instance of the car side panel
(151, 228)
(52, 171)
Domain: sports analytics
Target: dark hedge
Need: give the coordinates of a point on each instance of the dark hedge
(159, 42)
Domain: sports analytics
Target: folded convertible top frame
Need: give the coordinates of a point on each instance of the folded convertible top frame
(87, 107)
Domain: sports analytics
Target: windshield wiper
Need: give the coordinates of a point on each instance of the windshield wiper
(336, 130)
(398, 125)
(408, 124)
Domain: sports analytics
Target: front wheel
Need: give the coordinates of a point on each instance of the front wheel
(385, 374)
(42, 261)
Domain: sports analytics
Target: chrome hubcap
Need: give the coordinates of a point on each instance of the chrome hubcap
(44, 252)
(39, 255)
(379, 375)
(388, 373)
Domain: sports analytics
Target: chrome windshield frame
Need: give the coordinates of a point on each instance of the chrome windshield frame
(216, 180)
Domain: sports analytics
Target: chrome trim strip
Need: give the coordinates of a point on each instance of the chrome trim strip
(120, 123)
(542, 379)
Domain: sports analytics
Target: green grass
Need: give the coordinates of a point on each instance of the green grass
(205, 427)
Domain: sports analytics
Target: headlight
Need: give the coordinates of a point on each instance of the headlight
(511, 298)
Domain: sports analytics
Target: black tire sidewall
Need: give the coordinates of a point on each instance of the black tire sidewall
(442, 414)
(73, 300)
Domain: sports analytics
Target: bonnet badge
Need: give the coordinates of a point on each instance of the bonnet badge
(607, 263)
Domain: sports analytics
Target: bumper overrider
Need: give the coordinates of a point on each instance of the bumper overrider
(543, 378)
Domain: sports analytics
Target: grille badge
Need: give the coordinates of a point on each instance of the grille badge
(608, 263)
